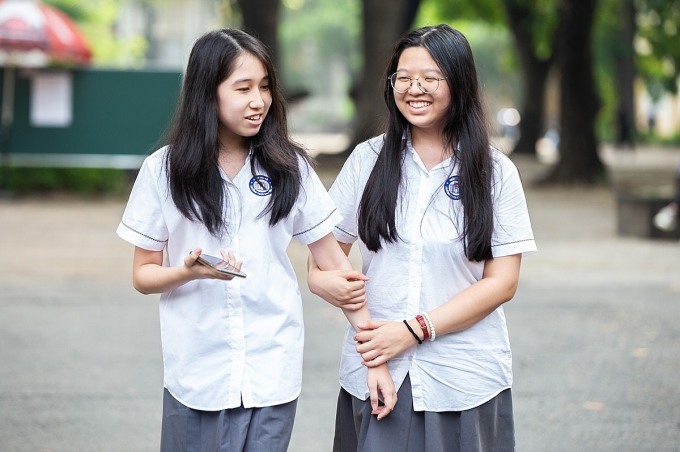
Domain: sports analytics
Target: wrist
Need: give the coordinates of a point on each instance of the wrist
(432, 334)
(422, 324)
(413, 330)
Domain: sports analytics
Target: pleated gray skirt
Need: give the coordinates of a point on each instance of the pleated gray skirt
(266, 429)
(486, 428)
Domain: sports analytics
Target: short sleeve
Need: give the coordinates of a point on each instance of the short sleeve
(316, 212)
(512, 227)
(348, 188)
(143, 223)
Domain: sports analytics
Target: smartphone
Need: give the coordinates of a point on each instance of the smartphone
(220, 265)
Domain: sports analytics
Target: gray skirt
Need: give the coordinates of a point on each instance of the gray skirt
(266, 429)
(487, 428)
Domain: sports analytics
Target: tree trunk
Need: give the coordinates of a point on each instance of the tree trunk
(624, 77)
(579, 161)
(535, 71)
(384, 21)
(261, 19)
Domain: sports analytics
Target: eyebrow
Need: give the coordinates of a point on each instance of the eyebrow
(437, 70)
(247, 80)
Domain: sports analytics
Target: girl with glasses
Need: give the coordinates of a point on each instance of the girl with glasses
(441, 221)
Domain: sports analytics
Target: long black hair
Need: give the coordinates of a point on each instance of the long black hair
(195, 182)
(465, 130)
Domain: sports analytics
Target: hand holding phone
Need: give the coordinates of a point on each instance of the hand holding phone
(220, 265)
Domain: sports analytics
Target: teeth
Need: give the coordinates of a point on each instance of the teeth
(419, 104)
(254, 117)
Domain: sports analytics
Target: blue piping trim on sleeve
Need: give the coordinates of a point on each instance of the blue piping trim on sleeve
(143, 235)
(316, 225)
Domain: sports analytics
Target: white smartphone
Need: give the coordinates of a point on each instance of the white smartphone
(220, 265)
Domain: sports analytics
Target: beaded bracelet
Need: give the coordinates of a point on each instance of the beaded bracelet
(433, 333)
(413, 332)
(423, 326)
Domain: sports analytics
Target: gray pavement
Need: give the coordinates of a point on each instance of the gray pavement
(594, 328)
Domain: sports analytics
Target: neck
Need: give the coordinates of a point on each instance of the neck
(430, 147)
(231, 160)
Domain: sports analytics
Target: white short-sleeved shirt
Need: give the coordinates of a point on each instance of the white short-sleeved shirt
(426, 268)
(227, 341)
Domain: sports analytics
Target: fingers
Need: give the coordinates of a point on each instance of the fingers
(370, 325)
(192, 256)
(371, 357)
(379, 361)
(389, 399)
(353, 275)
(380, 384)
(371, 354)
(375, 404)
(352, 306)
(230, 258)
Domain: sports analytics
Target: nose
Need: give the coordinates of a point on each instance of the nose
(414, 84)
(257, 101)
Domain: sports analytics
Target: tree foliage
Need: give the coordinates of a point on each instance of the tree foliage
(315, 34)
(96, 19)
(658, 44)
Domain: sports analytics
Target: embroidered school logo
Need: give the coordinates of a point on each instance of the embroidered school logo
(452, 187)
(261, 185)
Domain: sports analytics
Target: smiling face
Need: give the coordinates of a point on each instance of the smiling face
(422, 111)
(243, 100)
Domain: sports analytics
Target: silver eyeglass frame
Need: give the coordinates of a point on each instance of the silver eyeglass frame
(392, 77)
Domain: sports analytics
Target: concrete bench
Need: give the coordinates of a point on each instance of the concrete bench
(635, 215)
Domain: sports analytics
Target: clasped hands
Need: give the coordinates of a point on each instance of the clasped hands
(380, 341)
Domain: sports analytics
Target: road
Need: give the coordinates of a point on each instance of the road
(594, 328)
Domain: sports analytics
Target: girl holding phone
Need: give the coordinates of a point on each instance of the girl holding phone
(230, 178)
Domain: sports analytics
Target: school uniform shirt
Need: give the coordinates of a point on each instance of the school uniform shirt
(424, 269)
(230, 341)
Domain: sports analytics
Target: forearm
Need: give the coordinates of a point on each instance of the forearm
(355, 317)
(381, 341)
(467, 308)
(326, 255)
(480, 299)
(154, 278)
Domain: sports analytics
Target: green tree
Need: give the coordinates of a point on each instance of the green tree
(550, 33)
(320, 54)
(96, 20)
(658, 29)
(615, 56)
(383, 22)
(579, 103)
(261, 18)
(533, 26)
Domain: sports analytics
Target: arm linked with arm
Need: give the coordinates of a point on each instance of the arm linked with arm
(328, 257)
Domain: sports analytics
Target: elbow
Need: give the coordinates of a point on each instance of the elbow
(313, 288)
(505, 289)
(140, 287)
(508, 292)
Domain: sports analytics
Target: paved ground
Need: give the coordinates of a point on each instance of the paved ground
(594, 327)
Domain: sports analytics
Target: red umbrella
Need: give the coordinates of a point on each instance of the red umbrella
(34, 34)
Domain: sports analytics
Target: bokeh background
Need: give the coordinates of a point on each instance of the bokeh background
(581, 94)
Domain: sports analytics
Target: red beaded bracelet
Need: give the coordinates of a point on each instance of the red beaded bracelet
(423, 326)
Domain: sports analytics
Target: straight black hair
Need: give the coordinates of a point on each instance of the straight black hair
(465, 134)
(195, 182)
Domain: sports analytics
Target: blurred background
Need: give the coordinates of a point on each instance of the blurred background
(581, 94)
(564, 80)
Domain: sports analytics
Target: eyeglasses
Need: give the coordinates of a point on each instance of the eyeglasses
(401, 83)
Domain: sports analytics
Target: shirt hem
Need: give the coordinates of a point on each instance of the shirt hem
(230, 406)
